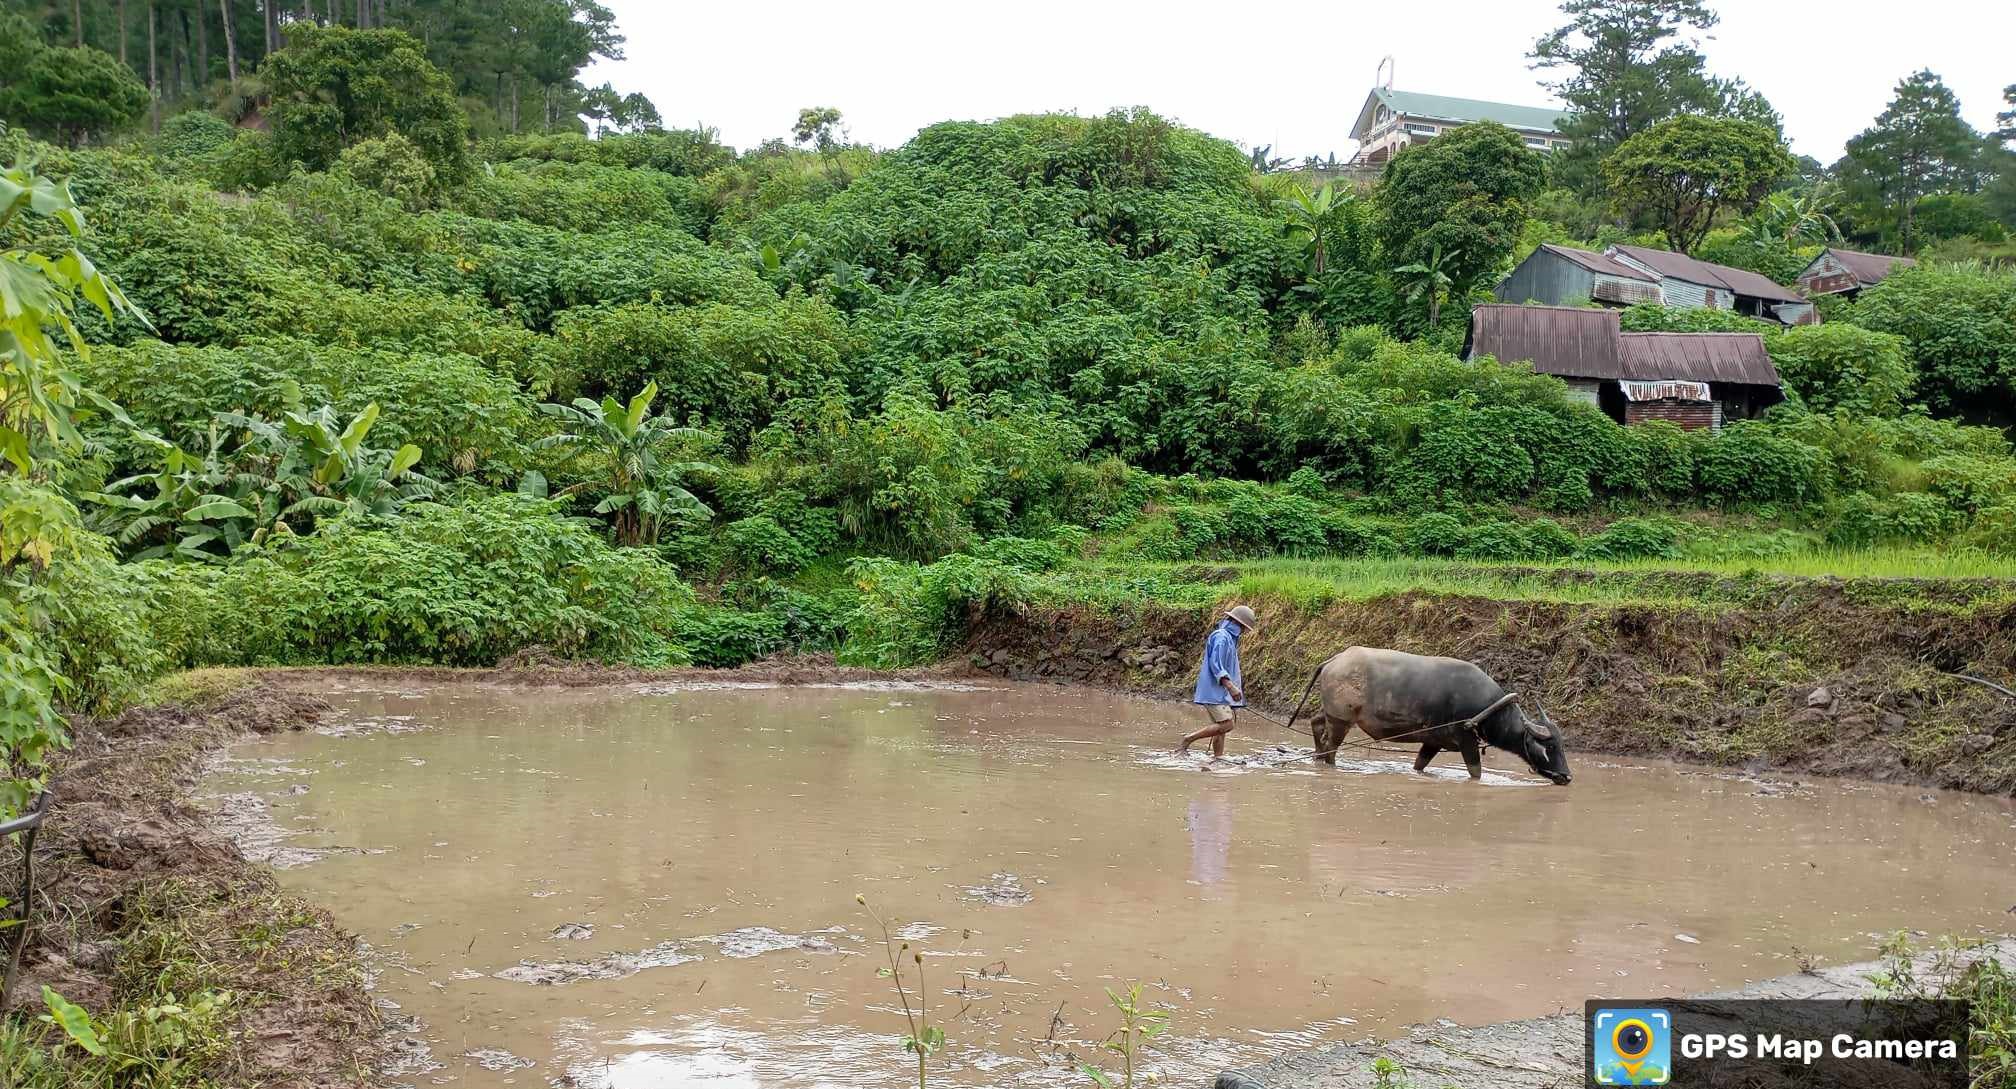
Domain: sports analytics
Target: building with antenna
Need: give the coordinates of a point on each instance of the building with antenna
(1391, 120)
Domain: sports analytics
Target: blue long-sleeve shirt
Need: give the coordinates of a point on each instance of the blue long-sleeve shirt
(1221, 662)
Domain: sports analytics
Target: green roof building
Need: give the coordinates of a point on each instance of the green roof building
(1392, 120)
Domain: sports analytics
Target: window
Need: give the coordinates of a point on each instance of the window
(1537, 141)
(1417, 129)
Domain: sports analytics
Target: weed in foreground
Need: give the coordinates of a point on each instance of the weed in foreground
(1138, 1025)
(925, 1039)
(1957, 969)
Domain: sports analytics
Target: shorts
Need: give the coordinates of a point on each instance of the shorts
(1220, 713)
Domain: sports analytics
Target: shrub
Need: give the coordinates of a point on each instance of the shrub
(1307, 483)
(1633, 539)
(1839, 366)
(392, 166)
(909, 613)
(1436, 534)
(759, 545)
(1495, 540)
(1969, 482)
(1666, 458)
(458, 585)
(725, 638)
(194, 140)
(1547, 539)
(1960, 325)
(1917, 516)
(1295, 524)
(1747, 463)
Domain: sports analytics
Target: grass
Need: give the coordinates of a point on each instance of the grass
(1905, 578)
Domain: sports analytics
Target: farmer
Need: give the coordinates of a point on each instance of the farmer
(1218, 686)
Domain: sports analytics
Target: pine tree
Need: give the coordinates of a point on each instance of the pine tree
(1918, 145)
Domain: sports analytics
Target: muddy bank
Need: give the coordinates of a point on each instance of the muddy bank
(1824, 678)
(1540, 1053)
(137, 898)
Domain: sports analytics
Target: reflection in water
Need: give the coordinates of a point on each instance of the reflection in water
(700, 850)
(1210, 823)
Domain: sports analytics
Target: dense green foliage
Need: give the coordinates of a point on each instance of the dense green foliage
(1686, 171)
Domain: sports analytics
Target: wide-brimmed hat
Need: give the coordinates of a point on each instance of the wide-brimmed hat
(1244, 616)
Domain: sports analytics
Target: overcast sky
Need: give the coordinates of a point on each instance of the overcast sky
(1290, 75)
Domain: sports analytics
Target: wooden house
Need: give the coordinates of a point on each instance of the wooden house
(1695, 380)
(1622, 275)
(1847, 272)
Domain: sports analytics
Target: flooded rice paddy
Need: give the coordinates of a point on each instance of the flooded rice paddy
(625, 888)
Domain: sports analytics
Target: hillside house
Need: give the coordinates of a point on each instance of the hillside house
(1392, 120)
(1847, 272)
(1695, 380)
(1622, 275)
(1560, 275)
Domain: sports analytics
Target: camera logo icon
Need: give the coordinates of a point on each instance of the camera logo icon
(1631, 1046)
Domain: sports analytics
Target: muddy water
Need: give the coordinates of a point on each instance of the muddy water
(631, 888)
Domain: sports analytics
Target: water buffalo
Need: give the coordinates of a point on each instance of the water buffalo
(1393, 695)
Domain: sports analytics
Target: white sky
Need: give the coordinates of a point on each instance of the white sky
(1290, 75)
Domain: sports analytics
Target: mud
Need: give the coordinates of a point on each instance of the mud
(653, 884)
(128, 872)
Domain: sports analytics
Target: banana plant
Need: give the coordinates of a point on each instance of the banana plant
(282, 477)
(1309, 221)
(640, 489)
(1429, 278)
(1795, 218)
(202, 508)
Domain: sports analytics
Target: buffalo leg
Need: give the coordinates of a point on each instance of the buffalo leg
(1473, 757)
(1320, 729)
(1427, 753)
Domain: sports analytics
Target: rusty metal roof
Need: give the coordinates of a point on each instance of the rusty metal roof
(1598, 263)
(1679, 266)
(1700, 357)
(1869, 268)
(1569, 341)
(1582, 342)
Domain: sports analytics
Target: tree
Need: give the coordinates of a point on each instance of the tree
(230, 42)
(639, 486)
(2005, 122)
(1465, 193)
(69, 94)
(1625, 70)
(332, 87)
(1681, 173)
(819, 126)
(1918, 145)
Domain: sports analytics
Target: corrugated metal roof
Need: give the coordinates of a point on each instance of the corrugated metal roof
(1582, 342)
(1569, 341)
(1869, 268)
(1700, 357)
(1445, 108)
(1596, 262)
(1679, 266)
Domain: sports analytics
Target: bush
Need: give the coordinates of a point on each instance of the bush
(909, 613)
(1633, 539)
(456, 585)
(1747, 462)
(1838, 366)
(1436, 535)
(1665, 456)
(725, 638)
(1547, 539)
(759, 545)
(391, 166)
(1495, 541)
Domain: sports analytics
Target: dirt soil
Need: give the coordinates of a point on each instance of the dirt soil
(1829, 679)
(1541, 1053)
(137, 896)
